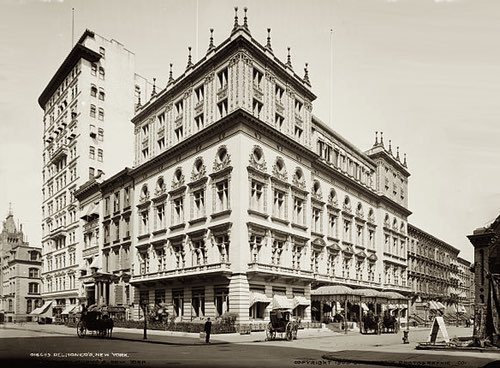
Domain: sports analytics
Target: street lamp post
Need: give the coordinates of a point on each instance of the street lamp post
(144, 307)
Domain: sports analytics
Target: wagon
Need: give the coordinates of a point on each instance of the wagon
(282, 323)
(94, 322)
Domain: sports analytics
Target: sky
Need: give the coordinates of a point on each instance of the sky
(425, 72)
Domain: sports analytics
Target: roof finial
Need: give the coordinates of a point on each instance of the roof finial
(189, 64)
(153, 93)
(268, 45)
(10, 209)
(138, 106)
(404, 161)
(245, 24)
(382, 139)
(170, 77)
(397, 153)
(376, 139)
(236, 25)
(390, 147)
(211, 44)
(289, 59)
(306, 76)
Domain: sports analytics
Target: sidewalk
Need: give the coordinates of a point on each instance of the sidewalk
(351, 348)
(170, 337)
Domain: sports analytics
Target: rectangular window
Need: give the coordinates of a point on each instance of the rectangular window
(160, 216)
(199, 203)
(199, 121)
(101, 73)
(101, 114)
(179, 107)
(298, 211)
(298, 132)
(279, 204)
(256, 196)
(179, 133)
(99, 155)
(100, 134)
(257, 107)
(161, 143)
(280, 91)
(222, 189)
(144, 222)
(332, 225)
(199, 93)
(93, 69)
(92, 152)
(278, 120)
(92, 111)
(316, 220)
(257, 79)
(222, 78)
(222, 108)
(178, 210)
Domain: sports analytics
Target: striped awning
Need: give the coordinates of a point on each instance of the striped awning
(433, 305)
(69, 309)
(282, 302)
(440, 305)
(42, 310)
(300, 300)
(364, 307)
(256, 297)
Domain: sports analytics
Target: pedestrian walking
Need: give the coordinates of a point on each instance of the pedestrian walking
(207, 329)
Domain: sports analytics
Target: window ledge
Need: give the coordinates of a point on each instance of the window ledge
(159, 231)
(178, 226)
(277, 219)
(198, 220)
(220, 214)
(297, 226)
(315, 233)
(143, 236)
(258, 213)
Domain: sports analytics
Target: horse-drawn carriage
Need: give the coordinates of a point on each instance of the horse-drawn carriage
(390, 324)
(282, 322)
(371, 324)
(94, 321)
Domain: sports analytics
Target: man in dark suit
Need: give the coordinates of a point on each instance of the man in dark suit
(208, 329)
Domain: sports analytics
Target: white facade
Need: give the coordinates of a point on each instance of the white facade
(87, 107)
(245, 199)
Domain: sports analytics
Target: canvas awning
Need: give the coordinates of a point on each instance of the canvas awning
(300, 300)
(92, 212)
(45, 308)
(69, 309)
(364, 307)
(256, 297)
(461, 308)
(440, 305)
(433, 305)
(282, 302)
(95, 262)
(336, 292)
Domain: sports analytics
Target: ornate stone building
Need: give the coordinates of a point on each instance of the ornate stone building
(20, 284)
(244, 200)
(87, 105)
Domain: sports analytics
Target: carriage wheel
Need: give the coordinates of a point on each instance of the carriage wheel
(270, 332)
(81, 329)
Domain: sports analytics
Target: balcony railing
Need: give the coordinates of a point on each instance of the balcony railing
(212, 268)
